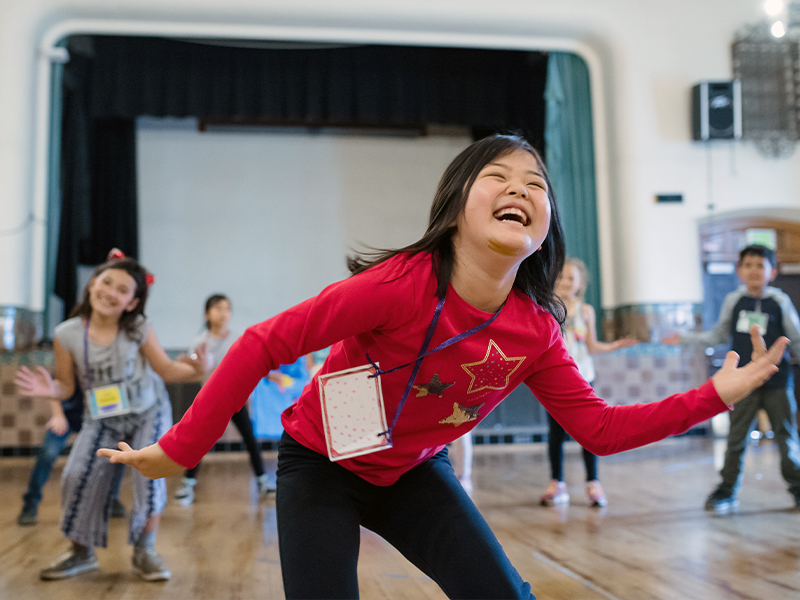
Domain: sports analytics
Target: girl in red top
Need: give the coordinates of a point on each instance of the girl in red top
(448, 326)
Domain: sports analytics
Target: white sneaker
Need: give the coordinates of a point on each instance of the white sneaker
(186, 492)
(555, 494)
(263, 484)
(150, 565)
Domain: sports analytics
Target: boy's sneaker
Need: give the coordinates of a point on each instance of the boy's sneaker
(118, 509)
(28, 516)
(263, 484)
(556, 493)
(595, 493)
(150, 566)
(186, 492)
(70, 564)
(721, 501)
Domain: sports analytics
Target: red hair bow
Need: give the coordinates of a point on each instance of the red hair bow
(116, 254)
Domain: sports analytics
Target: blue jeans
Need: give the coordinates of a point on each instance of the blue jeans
(49, 451)
(426, 515)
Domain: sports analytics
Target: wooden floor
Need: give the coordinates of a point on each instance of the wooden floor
(654, 541)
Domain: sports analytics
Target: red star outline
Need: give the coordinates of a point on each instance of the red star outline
(518, 359)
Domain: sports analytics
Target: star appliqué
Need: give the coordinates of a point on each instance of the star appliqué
(434, 387)
(493, 372)
(462, 414)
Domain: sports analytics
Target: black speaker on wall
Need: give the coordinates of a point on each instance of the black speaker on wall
(717, 110)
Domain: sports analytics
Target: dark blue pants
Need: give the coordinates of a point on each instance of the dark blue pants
(555, 447)
(426, 515)
(49, 451)
(241, 419)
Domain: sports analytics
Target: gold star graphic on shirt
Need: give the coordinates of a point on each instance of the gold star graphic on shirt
(462, 414)
(494, 371)
(434, 387)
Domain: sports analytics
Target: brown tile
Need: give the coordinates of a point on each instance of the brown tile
(25, 437)
(8, 388)
(25, 403)
(41, 420)
(8, 421)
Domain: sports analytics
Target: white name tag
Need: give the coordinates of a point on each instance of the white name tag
(352, 413)
(747, 319)
(107, 401)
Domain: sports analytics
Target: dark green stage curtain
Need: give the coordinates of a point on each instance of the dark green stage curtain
(570, 162)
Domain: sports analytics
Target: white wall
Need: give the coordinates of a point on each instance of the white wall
(267, 218)
(648, 56)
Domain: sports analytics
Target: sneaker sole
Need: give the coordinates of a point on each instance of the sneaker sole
(725, 509)
(160, 576)
(55, 576)
(556, 501)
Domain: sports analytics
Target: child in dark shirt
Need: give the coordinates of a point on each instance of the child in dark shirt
(756, 303)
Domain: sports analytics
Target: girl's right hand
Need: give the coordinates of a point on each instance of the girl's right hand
(151, 461)
(35, 384)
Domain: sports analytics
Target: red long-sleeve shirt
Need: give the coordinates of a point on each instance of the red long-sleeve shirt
(386, 311)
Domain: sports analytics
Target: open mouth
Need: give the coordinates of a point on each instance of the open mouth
(511, 213)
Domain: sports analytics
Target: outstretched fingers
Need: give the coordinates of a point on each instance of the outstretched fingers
(124, 455)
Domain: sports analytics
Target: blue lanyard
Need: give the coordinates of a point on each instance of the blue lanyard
(423, 352)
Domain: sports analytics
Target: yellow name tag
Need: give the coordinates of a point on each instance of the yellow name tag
(107, 401)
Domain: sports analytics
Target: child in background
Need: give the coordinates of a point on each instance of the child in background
(217, 339)
(113, 350)
(756, 303)
(493, 250)
(581, 341)
(66, 419)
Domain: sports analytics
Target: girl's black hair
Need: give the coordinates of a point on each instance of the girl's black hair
(212, 301)
(537, 274)
(127, 322)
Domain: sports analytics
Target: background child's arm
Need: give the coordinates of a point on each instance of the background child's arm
(791, 323)
(41, 383)
(58, 423)
(594, 345)
(719, 334)
(185, 369)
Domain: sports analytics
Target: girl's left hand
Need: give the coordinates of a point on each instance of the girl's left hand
(734, 384)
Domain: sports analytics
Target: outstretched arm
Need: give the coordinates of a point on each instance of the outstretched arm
(604, 429)
(594, 345)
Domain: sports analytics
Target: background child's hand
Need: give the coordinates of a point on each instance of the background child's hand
(733, 384)
(39, 383)
(58, 424)
(671, 340)
(151, 461)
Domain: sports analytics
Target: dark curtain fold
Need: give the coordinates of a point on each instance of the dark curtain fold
(380, 86)
(110, 81)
